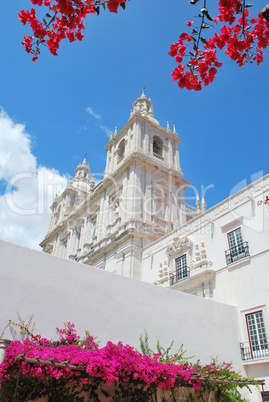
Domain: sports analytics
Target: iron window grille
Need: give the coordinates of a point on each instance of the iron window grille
(182, 271)
(238, 248)
(265, 396)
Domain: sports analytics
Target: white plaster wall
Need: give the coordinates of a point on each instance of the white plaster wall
(110, 306)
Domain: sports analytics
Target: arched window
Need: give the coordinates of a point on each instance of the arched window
(157, 146)
(121, 150)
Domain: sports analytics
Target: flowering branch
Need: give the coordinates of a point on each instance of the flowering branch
(65, 21)
(244, 39)
(64, 369)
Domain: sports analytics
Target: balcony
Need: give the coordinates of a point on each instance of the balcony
(237, 253)
(258, 350)
(178, 276)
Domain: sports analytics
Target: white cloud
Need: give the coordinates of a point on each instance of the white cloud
(92, 113)
(24, 208)
(103, 128)
(15, 150)
(106, 130)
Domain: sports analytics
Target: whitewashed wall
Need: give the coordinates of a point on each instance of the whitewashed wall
(112, 307)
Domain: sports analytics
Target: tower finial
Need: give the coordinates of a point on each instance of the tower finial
(168, 127)
(198, 203)
(203, 204)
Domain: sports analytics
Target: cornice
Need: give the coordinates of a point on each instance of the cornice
(149, 163)
(210, 216)
(147, 121)
(91, 256)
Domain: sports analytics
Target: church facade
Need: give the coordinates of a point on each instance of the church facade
(139, 200)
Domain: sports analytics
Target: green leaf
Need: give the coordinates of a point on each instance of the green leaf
(205, 12)
(209, 17)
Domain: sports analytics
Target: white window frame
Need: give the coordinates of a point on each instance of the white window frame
(258, 340)
(236, 245)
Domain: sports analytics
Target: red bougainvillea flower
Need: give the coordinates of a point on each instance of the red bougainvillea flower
(241, 38)
(113, 5)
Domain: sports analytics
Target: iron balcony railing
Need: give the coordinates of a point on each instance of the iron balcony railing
(237, 253)
(258, 350)
(178, 276)
(265, 396)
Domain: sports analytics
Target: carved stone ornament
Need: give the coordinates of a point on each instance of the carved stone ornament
(178, 245)
(200, 257)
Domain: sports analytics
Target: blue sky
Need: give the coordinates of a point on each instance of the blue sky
(59, 108)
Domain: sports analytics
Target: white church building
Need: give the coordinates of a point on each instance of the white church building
(135, 223)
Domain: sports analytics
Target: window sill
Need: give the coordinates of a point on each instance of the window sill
(194, 280)
(252, 362)
(120, 159)
(237, 264)
(158, 156)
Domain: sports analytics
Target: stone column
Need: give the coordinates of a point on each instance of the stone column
(69, 242)
(148, 197)
(170, 154)
(177, 166)
(147, 142)
(113, 159)
(137, 135)
(123, 203)
(136, 191)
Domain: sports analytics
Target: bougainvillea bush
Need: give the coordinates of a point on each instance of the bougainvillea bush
(242, 36)
(89, 368)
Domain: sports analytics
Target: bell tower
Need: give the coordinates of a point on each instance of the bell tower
(143, 188)
(145, 159)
